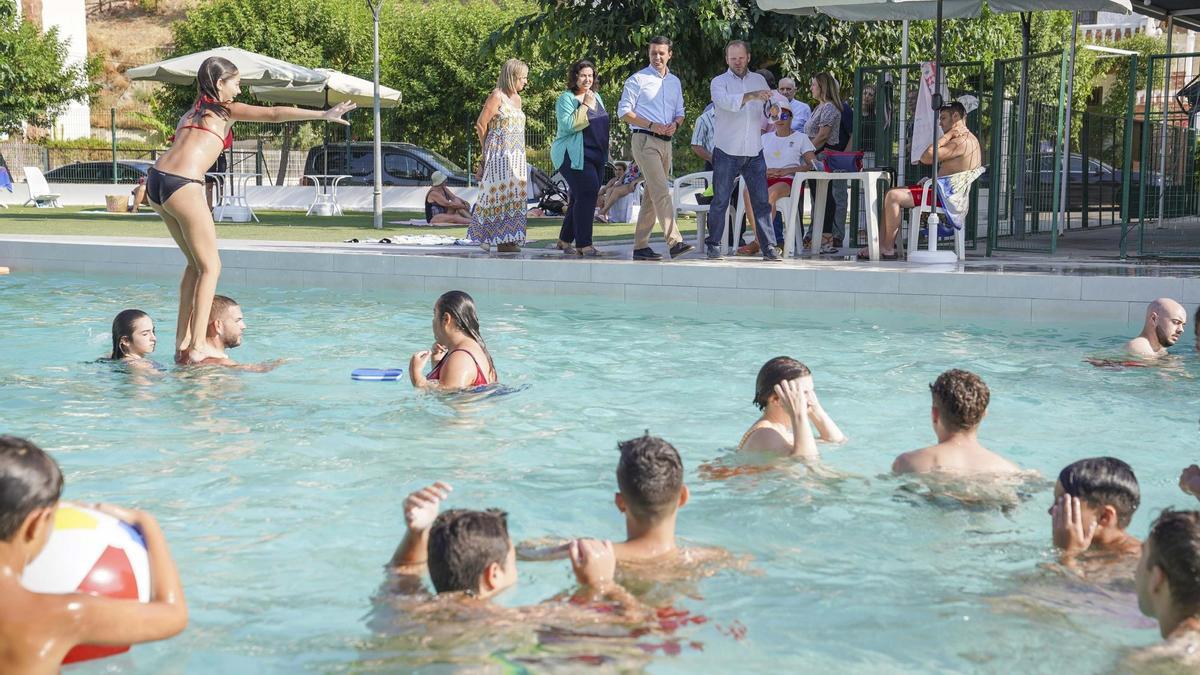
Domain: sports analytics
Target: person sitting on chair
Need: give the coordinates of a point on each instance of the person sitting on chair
(622, 185)
(785, 152)
(958, 152)
(442, 207)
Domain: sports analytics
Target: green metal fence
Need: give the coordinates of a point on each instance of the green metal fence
(1027, 123)
(1168, 206)
(877, 127)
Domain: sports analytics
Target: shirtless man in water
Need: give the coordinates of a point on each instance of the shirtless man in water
(225, 328)
(958, 151)
(1168, 588)
(1164, 326)
(960, 401)
(651, 492)
(1094, 501)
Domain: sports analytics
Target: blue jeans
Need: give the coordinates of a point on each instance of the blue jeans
(753, 170)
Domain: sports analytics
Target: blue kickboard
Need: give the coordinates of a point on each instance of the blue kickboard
(376, 374)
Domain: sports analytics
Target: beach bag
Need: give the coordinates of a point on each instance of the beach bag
(841, 162)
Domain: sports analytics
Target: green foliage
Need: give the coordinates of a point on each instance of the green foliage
(446, 67)
(1116, 98)
(34, 75)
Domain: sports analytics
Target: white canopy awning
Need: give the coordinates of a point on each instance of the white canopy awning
(336, 87)
(255, 69)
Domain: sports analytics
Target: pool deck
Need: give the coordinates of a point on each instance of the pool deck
(1032, 289)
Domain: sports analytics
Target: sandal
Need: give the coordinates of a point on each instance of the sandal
(590, 252)
(865, 254)
(749, 249)
(566, 248)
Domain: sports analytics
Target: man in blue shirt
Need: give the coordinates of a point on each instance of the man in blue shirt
(652, 105)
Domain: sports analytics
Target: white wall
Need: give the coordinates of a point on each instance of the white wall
(70, 18)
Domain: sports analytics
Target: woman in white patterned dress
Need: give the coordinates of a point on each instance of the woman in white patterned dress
(499, 213)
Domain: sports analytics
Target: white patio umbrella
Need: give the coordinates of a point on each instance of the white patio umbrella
(336, 87)
(254, 68)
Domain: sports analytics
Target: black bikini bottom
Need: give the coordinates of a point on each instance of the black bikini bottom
(160, 185)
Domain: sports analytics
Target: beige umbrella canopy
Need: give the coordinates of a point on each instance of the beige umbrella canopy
(255, 69)
(336, 87)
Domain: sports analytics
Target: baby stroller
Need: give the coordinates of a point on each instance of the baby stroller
(551, 195)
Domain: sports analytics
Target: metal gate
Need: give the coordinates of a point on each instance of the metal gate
(1169, 196)
(1027, 117)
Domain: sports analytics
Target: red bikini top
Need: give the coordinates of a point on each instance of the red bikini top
(227, 143)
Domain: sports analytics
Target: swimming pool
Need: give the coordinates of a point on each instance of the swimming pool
(281, 493)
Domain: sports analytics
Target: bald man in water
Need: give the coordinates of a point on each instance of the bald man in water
(1165, 321)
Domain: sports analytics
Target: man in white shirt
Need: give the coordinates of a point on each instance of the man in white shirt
(738, 97)
(801, 111)
(703, 136)
(652, 105)
(785, 152)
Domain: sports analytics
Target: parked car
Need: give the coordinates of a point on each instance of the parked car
(1104, 182)
(128, 171)
(403, 164)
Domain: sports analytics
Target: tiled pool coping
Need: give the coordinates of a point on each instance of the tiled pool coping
(1028, 290)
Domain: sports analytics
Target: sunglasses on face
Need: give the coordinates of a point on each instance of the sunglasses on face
(785, 116)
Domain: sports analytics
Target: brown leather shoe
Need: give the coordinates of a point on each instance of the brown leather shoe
(508, 248)
(749, 249)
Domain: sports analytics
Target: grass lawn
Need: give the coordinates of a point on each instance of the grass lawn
(275, 225)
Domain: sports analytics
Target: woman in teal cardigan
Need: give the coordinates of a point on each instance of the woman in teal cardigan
(580, 151)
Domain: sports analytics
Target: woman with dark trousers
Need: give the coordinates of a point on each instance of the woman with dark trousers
(580, 151)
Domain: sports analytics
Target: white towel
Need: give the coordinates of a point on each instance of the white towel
(955, 193)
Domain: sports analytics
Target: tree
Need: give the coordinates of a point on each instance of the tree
(1116, 100)
(37, 82)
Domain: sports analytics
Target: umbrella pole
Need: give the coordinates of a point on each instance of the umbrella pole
(1018, 204)
(1162, 143)
(903, 131)
(375, 6)
(1066, 140)
(937, 97)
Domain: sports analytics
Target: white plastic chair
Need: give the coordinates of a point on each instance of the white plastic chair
(931, 252)
(39, 190)
(683, 198)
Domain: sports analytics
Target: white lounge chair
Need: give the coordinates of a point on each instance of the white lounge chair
(39, 190)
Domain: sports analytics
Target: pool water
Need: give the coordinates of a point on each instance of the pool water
(281, 493)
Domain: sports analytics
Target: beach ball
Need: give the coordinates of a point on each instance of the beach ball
(91, 552)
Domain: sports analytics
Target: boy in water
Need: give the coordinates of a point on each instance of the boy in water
(38, 629)
(960, 401)
(469, 552)
(1168, 587)
(1094, 500)
(226, 325)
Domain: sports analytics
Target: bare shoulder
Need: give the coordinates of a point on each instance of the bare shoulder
(1139, 346)
(914, 461)
(765, 437)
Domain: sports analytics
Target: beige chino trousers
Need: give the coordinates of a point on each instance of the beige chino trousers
(653, 157)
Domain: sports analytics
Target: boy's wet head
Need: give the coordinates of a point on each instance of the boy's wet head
(29, 480)
(1103, 481)
(776, 371)
(961, 398)
(650, 476)
(1171, 554)
(470, 551)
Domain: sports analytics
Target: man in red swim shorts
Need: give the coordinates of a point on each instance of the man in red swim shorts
(958, 151)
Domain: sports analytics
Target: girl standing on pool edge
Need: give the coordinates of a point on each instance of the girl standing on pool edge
(460, 357)
(175, 186)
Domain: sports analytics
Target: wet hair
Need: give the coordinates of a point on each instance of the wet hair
(510, 72)
(461, 308)
(29, 480)
(768, 76)
(828, 88)
(1174, 543)
(576, 69)
(462, 543)
(777, 370)
(650, 476)
(1103, 481)
(955, 107)
(961, 397)
(220, 304)
(122, 328)
(214, 69)
(661, 40)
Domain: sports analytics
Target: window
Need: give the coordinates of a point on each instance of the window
(406, 167)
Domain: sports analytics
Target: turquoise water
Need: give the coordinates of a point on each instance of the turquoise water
(281, 492)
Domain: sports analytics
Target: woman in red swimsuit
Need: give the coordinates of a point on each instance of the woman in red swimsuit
(175, 186)
(460, 357)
